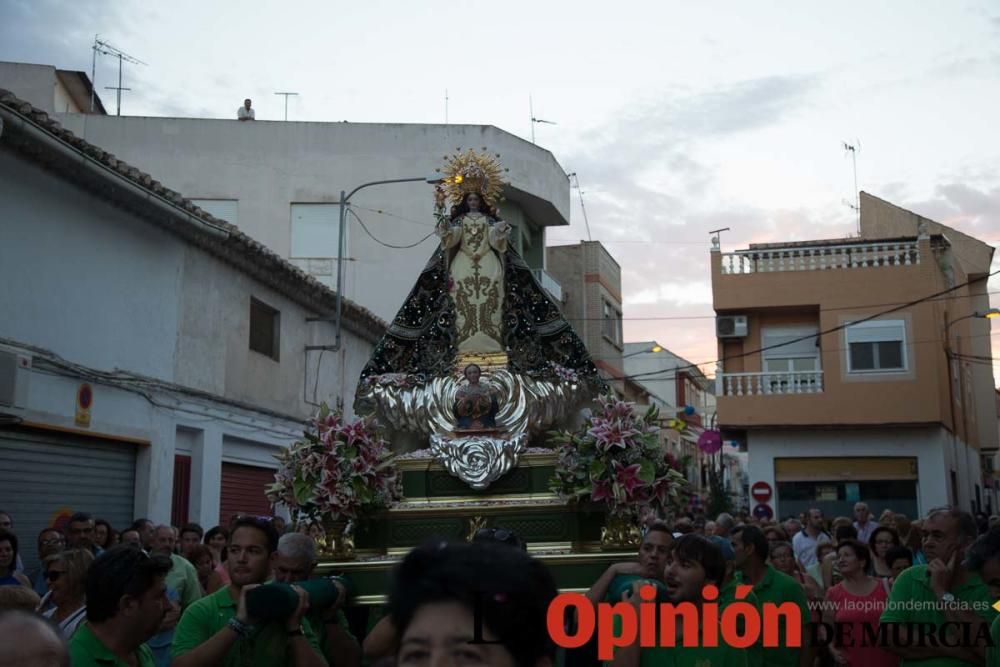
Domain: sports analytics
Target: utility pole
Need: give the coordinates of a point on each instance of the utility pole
(287, 95)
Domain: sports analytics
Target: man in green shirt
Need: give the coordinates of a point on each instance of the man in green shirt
(126, 602)
(295, 561)
(692, 563)
(727, 595)
(943, 591)
(217, 630)
(751, 549)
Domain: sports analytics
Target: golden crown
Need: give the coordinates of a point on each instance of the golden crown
(473, 171)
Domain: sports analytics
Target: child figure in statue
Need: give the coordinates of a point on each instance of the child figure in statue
(476, 404)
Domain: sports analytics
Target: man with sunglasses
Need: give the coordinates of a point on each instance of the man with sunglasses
(126, 602)
(217, 630)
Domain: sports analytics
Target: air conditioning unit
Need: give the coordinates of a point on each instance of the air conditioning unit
(15, 369)
(731, 326)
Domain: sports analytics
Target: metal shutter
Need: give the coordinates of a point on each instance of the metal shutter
(243, 491)
(46, 477)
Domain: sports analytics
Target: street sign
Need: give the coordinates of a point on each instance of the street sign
(763, 512)
(84, 399)
(761, 492)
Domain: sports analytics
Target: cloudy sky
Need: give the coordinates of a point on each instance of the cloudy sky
(678, 117)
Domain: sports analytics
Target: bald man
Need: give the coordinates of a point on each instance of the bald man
(38, 644)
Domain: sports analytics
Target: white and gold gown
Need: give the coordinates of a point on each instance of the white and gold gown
(477, 282)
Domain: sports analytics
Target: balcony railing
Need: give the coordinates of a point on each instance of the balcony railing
(820, 258)
(772, 384)
(549, 284)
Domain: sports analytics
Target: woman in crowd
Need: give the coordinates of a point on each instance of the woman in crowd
(775, 533)
(783, 559)
(67, 576)
(216, 539)
(440, 590)
(898, 559)
(830, 569)
(880, 542)
(858, 600)
(201, 557)
(8, 561)
(104, 535)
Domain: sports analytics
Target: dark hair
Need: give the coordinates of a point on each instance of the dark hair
(986, 548)
(139, 524)
(9, 516)
(79, 517)
(847, 532)
(895, 553)
(264, 526)
(774, 546)
(212, 532)
(699, 549)
(49, 529)
(463, 208)
(754, 537)
(119, 571)
(861, 552)
(111, 532)
(883, 529)
(7, 536)
(658, 526)
(511, 589)
(500, 535)
(198, 552)
(192, 528)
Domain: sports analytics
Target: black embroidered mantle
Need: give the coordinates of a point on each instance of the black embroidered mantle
(422, 341)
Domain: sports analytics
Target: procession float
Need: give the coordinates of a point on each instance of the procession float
(480, 408)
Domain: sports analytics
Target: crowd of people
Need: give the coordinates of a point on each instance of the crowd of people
(246, 594)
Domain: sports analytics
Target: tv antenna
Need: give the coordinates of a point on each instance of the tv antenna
(534, 121)
(574, 182)
(717, 237)
(854, 149)
(287, 95)
(106, 49)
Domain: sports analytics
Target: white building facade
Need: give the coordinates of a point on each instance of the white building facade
(153, 359)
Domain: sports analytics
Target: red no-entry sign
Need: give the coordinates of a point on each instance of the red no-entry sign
(761, 492)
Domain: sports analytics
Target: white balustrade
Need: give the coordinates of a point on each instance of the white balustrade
(820, 258)
(771, 384)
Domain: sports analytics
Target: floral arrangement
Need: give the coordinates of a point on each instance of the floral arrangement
(563, 373)
(401, 380)
(339, 470)
(616, 458)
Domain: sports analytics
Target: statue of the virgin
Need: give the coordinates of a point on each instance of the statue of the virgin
(476, 300)
(476, 305)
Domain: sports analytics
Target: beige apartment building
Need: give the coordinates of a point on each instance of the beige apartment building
(859, 368)
(590, 283)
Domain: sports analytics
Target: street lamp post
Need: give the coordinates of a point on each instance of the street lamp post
(655, 348)
(949, 354)
(345, 198)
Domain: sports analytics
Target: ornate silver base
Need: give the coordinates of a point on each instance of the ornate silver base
(478, 459)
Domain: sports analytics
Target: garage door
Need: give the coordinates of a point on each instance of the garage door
(44, 478)
(243, 491)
